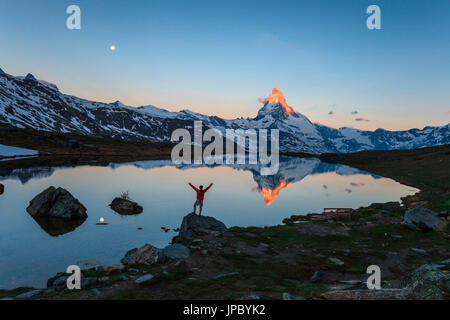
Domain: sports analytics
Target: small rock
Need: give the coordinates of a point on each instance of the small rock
(253, 297)
(417, 250)
(446, 261)
(147, 254)
(388, 206)
(423, 219)
(123, 277)
(226, 275)
(144, 279)
(89, 281)
(125, 206)
(396, 236)
(204, 252)
(96, 291)
(317, 276)
(112, 269)
(89, 264)
(336, 261)
(60, 283)
(103, 279)
(176, 251)
(288, 296)
(29, 294)
(365, 294)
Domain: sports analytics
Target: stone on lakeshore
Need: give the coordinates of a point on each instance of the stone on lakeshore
(317, 276)
(388, 206)
(96, 291)
(125, 207)
(423, 219)
(196, 225)
(87, 282)
(426, 283)
(176, 251)
(113, 268)
(144, 279)
(366, 294)
(417, 250)
(226, 275)
(29, 294)
(56, 203)
(147, 254)
(90, 264)
(288, 296)
(336, 261)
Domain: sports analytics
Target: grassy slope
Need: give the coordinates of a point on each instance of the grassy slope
(426, 169)
(60, 144)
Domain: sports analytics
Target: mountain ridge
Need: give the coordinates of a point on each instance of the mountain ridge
(28, 102)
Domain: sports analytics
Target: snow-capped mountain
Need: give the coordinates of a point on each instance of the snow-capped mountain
(28, 102)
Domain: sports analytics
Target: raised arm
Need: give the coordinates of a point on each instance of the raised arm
(192, 186)
(209, 187)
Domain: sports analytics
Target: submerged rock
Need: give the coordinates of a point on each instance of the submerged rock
(423, 219)
(56, 203)
(193, 224)
(147, 254)
(125, 207)
(56, 227)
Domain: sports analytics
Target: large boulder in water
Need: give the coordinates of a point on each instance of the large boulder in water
(193, 224)
(423, 219)
(125, 206)
(56, 203)
(147, 254)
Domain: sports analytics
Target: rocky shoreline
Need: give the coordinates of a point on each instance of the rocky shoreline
(309, 257)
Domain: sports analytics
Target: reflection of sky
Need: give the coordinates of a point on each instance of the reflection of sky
(166, 198)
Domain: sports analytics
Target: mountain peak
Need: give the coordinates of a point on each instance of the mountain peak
(278, 97)
(2, 72)
(275, 104)
(30, 77)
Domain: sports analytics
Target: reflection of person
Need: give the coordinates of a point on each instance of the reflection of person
(200, 196)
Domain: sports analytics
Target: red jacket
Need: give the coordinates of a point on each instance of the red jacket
(200, 193)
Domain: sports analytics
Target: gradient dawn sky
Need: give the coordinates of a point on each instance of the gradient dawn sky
(219, 57)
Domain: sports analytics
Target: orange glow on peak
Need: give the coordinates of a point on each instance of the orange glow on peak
(278, 97)
(270, 195)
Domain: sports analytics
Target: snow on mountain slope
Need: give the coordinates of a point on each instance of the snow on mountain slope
(28, 102)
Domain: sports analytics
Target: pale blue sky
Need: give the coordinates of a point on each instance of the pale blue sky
(218, 57)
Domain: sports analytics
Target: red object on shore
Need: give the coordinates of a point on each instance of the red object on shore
(337, 211)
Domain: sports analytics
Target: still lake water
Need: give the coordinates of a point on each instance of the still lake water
(31, 253)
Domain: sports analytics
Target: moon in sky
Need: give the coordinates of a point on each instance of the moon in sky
(112, 48)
